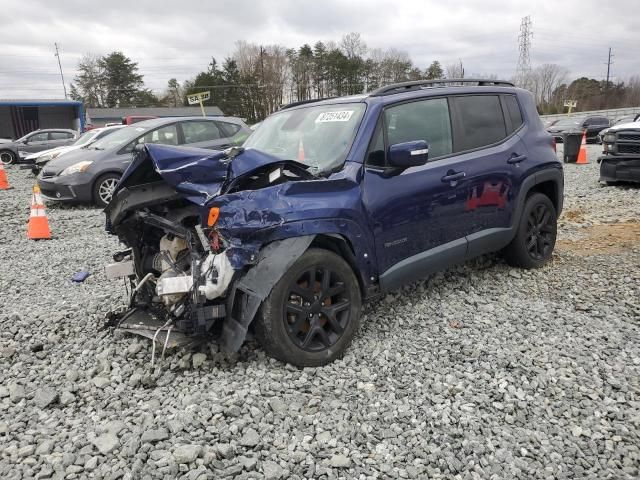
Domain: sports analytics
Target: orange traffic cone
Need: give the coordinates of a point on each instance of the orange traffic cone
(300, 151)
(38, 228)
(4, 182)
(582, 154)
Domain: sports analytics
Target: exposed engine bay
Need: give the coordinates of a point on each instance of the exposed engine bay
(188, 274)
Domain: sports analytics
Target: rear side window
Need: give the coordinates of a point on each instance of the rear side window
(426, 120)
(480, 121)
(195, 132)
(60, 135)
(228, 129)
(513, 110)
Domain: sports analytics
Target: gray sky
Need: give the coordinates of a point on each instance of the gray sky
(177, 39)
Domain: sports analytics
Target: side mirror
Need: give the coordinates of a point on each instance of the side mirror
(408, 154)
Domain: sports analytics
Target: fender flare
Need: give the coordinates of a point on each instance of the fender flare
(247, 293)
(555, 175)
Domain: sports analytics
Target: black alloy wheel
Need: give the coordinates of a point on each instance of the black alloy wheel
(535, 238)
(317, 309)
(312, 312)
(540, 232)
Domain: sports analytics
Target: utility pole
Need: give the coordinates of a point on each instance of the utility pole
(64, 87)
(524, 45)
(262, 62)
(606, 85)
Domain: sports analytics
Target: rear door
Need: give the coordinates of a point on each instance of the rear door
(59, 139)
(493, 157)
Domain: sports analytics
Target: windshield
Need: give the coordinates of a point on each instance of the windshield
(570, 121)
(119, 138)
(319, 136)
(85, 138)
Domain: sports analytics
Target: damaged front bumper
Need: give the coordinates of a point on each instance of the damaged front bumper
(616, 168)
(212, 300)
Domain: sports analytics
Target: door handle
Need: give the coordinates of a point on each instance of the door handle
(515, 158)
(452, 176)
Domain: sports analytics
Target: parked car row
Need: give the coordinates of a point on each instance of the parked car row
(595, 126)
(592, 125)
(90, 174)
(36, 141)
(36, 161)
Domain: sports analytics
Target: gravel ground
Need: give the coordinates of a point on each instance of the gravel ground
(481, 371)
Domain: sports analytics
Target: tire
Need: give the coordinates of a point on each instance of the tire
(101, 187)
(283, 327)
(7, 157)
(535, 238)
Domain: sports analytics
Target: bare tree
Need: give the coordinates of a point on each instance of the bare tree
(90, 82)
(632, 97)
(353, 46)
(549, 77)
(455, 70)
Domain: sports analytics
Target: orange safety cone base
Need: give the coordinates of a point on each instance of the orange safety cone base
(4, 182)
(582, 154)
(38, 228)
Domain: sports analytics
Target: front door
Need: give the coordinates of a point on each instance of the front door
(417, 214)
(35, 143)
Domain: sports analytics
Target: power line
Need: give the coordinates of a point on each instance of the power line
(57, 54)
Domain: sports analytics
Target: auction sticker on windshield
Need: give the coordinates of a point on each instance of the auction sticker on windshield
(340, 116)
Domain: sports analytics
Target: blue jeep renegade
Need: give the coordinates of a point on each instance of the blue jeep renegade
(329, 203)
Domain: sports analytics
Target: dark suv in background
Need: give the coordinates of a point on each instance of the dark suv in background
(591, 125)
(36, 141)
(327, 204)
(90, 174)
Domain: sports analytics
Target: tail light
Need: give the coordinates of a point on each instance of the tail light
(553, 144)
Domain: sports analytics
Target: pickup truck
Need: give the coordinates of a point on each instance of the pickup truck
(620, 160)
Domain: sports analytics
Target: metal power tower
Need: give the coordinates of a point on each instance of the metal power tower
(524, 44)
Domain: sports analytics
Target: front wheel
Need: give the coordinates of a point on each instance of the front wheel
(536, 234)
(7, 157)
(312, 313)
(104, 187)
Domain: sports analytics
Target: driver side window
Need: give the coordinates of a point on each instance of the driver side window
(426, 120)
(38, 137)
(166, 135)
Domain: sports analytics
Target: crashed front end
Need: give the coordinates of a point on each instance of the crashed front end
(193, 266)
(621, 156)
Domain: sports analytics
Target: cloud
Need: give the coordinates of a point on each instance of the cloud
(178, 39)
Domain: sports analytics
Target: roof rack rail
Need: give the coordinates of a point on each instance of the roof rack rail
(419, 84)
(303, 102)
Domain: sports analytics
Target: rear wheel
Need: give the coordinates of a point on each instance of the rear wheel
(7, 157)
(535, 238)
(313, 312)
(104, 187)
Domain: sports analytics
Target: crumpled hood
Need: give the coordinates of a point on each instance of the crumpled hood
(199, 174)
